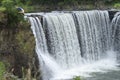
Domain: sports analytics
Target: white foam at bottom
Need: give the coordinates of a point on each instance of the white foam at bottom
(103, 65)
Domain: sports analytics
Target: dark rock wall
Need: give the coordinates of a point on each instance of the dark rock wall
(17, 50)
(112, 13)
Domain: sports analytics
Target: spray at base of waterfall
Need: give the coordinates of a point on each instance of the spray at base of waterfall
(104, 65)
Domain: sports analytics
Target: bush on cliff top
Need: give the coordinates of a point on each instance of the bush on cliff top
(8, 7)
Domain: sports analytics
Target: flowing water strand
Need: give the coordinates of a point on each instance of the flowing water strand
(38, 33)
(116, 34)
(47, 65)
(62, 38)
(94, 36)
(115, 31)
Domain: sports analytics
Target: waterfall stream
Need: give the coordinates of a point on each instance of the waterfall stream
(75, 44)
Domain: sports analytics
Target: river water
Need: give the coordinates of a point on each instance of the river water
(110, 75)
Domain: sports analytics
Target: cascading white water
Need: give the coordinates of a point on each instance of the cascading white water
(62, 39)
(94, 33)
(47, 64)
(116, 34)
(71, 44)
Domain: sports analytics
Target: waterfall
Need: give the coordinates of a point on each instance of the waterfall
(73, 43)
(116, 34)
(45, 61)
(62, 39)
(94, 33)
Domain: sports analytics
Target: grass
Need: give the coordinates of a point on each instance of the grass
(77, 78)
(2, 70)
(2, 9)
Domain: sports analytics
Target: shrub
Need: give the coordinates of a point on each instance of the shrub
(77, 78)
(2, 70)
(117, 5)
(8, 7)
(2, 9)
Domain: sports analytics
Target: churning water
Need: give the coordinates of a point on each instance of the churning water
(75, 44)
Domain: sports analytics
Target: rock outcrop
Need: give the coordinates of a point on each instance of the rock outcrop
(17, 50)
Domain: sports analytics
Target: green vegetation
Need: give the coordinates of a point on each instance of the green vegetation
(77, 78)
(2, 70)
(13, 18)
(10, 5)
(117, 5)
(81, 3)
(9, 76)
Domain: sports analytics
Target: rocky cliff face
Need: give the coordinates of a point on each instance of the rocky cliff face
(17, 50)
